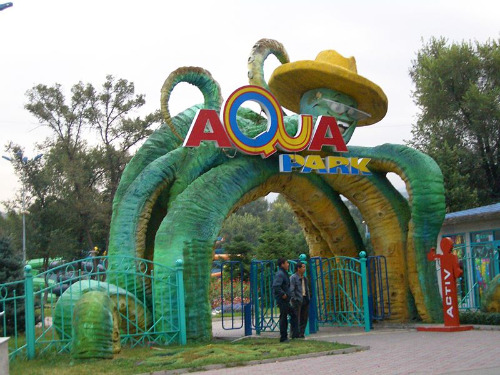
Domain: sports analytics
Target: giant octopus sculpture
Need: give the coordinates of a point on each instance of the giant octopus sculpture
(172, 200)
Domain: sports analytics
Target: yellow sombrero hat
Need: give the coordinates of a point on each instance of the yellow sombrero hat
(333, 71)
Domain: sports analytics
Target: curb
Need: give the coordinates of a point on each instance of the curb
(353, 349)
(415, 325)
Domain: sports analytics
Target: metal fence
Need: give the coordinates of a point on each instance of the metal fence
(232, 294)
(378, 288)
(38, 310)
(265, 315)
(341, 291)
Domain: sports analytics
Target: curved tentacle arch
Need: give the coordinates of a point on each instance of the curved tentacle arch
(170, 135)
(161, 142)
(424, 183)
(260, 51)
(171, 201)
(320, 211)
(318, 247)
(195, 217)
(198, 77)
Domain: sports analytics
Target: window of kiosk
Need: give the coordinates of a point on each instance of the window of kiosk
(484, 248)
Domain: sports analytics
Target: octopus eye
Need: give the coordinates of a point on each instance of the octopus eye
(343, 126)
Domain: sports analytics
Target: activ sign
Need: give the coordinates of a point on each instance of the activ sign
(225, 133)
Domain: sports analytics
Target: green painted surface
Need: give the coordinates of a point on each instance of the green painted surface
(30, 313)
(93, 326)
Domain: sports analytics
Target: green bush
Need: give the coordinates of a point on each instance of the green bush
(12, 294)
(479, 317)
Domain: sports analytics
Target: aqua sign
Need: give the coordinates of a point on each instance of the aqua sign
(225, 133)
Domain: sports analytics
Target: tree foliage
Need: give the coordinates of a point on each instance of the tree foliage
(264, 231)
(248, 226)
(277, 242)
(11, 270)
(241, 251)
(457, 89)
(258, 208)
(70, 190)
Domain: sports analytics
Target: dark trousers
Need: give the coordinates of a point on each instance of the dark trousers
(301, 311)
(285, 311)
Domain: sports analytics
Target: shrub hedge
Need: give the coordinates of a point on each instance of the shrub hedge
(479, 317)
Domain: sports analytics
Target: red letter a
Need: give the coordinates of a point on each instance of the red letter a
(197, 133)
(320, 138)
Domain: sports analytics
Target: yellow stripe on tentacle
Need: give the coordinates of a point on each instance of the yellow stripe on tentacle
(387, 235)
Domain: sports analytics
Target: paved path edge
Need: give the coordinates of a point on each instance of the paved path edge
(352, 349)
(478, 327)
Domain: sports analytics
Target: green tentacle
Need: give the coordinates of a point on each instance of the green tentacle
(168, 136)
(424, 182)
(192, 225)
(150, 169)
(260, 51)
(138, 202)
(198, 77)
(158, 144)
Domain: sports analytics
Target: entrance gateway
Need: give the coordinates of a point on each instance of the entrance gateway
(172, 200)
(337, 294)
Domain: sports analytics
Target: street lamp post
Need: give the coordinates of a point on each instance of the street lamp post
(24, 160)
(5, 6)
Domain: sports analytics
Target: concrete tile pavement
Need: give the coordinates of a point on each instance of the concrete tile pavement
(392, 351)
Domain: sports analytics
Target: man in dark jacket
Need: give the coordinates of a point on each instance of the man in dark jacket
(299, 294)
(281, 291)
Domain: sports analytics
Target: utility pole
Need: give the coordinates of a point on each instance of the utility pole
(24, 160)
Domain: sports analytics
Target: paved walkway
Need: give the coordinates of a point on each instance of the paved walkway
(392, 351)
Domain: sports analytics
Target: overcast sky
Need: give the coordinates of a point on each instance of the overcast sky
(66, 41)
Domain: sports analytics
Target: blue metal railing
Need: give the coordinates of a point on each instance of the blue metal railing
(378, 288)
(265, 316)
(344, 292)
(232, 294)
(49, 299)
(340, 286)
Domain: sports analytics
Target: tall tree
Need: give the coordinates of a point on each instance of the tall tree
(73, 187)
(281, 214)
(109, 115)
(277, 242)
(264, 230)
(258, 208)
(52, 225)
(457, 88)
(248, 226)
(241, 251)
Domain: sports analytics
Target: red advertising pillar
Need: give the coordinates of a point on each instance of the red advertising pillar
(450, 271)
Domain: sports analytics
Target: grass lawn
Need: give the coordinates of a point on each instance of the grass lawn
(143, 360)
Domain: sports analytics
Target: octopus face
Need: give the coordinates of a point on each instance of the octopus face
(327, 102)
